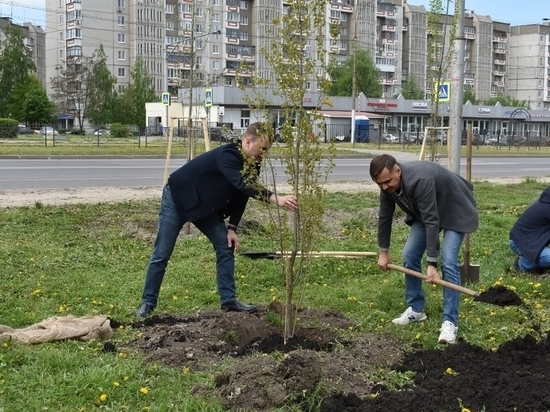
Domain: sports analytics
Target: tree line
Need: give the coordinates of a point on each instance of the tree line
(84, 88)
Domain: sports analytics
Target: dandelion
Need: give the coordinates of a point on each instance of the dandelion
(537, 285)
(116, 384)
(144, 390)
(103, 397)
(418, 335)
(465, 410)
(35, 292)
(538, 306)
(450, 371)
(125, 379)
(174, 298)
(185, 371)
(123, 355)
(5, 345)
(272, 289)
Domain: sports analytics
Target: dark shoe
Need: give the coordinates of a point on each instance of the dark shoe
(236, 306)
(144, 310)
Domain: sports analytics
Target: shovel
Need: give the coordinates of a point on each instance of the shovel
(440, 282)
(468, 273)
(334, 254)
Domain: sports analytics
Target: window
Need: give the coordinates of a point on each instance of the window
(244, 20)
(74, 51)
(233, 17)
(121, 72)
(215, 49)
(121, 38)
(215, 65)
(216, 2)
(245, 118)
(60, 36)
(61, 19)
(61, 54)
(169, 9)
(244, 4)
(216, 17)
(308, 85)
(74, 33)
(120, 20)
(121, 4)
(121, 55)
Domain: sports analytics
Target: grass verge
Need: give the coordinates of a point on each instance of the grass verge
(91, 259)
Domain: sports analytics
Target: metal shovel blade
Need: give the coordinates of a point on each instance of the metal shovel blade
(468, 273)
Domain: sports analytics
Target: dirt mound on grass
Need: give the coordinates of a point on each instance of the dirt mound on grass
(265, 374)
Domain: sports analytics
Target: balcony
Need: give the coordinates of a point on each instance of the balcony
(499, 72)
(388, 41)
(385, 13)
(469, 81)
(405, 28)
(499, 51)
(499, 39)
(388, 27)
(387, 81)
(470, 36)
(498, 84)
(500, 62)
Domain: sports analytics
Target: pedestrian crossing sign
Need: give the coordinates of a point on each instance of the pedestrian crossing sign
(443, 92)
(166, 99)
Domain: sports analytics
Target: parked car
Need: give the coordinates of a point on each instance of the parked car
(48, 131)
(22, 129)
(390, 138)
(279, 133)
(101, 132)
(217, 135)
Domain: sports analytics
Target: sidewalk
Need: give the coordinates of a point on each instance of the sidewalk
(400, 156)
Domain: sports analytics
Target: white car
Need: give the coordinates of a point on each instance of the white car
(101, 132)
(390, 138)
(49, 130)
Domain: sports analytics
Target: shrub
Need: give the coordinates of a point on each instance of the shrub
(119, 130)
(8, 128)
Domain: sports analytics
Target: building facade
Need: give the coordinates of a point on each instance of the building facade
(35, 41)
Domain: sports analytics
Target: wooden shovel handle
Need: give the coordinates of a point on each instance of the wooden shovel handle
(440, 282)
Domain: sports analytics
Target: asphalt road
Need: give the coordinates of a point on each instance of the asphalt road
(134, 172)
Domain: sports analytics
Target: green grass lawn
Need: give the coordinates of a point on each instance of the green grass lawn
(91, 259)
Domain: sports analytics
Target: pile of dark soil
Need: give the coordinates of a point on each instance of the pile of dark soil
(323, 352)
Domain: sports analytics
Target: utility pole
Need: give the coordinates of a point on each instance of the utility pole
(457, 84)
(190, 135)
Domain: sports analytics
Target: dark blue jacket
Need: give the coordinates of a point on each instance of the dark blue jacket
(215, 182)
(531, 232)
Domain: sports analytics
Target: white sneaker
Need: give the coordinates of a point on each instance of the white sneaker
(448, 332)
(410, 316)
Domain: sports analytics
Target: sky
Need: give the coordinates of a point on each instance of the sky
(516, 12)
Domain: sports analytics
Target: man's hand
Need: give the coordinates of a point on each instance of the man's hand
(233, 240)
(432, 274)
(383, 260)
(289, 202)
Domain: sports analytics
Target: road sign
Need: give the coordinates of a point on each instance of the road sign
(208, 98)
(443, 92)
(166, 99)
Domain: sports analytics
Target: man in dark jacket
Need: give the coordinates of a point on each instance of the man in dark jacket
(530, 236)
(210, 188)
(434, 199)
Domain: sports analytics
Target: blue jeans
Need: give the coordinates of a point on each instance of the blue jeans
(169, 227)
(412, 259)
(525, 265)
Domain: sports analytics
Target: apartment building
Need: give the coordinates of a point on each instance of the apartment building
(188, 45)
(34, 38)
(529, 64)
(127, 29)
